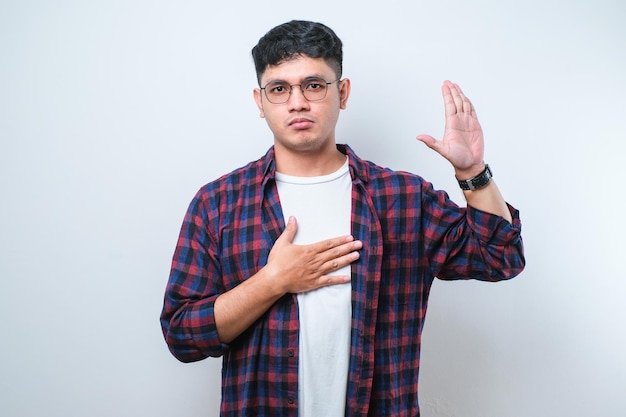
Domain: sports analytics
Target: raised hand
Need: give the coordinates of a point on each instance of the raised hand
(462, 143)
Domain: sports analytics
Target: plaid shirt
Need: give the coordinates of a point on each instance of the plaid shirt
(410, 233)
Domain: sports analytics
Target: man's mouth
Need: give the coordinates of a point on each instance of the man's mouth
(300, 123)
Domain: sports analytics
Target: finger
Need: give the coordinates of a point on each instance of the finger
(327, 246)
(431, 142)
(427, 140)
(466, 103)
(346, 248)
(334, 258)
(337, 263)
(328, 280)
(290, 231)
(457, 97)
(448, 101)
(458, 88)
(468, 107)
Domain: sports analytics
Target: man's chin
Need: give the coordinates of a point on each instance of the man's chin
(303, 144)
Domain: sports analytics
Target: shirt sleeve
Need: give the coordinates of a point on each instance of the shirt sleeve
(187, 318)
(467, 243)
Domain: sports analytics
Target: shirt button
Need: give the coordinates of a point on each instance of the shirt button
(290, 400)
(290, 353)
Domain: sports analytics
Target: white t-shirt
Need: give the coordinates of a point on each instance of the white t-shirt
(322, 206)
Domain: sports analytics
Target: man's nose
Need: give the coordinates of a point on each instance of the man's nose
(297, 100)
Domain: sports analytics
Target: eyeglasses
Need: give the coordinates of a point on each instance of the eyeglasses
(313, 89)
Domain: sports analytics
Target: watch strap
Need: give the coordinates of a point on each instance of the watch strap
(478, 182)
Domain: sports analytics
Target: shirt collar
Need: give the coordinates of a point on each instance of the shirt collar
(357, 166)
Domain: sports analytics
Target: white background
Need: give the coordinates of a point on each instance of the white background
(113, 113)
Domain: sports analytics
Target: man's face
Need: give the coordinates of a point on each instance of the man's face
(300, 125)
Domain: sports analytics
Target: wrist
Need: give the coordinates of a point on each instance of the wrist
(468, 173)
(273, 286)
(476, 181)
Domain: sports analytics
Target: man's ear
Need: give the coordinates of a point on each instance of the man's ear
(259, 102)
(344, 93)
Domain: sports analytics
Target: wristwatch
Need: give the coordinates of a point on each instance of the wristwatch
(479, 181)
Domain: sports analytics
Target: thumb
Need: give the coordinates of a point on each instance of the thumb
(290, 230)
(432, 143)
(427, 140)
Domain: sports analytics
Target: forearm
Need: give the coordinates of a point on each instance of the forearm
(199, 323)
(486, 247)
(239, 308)
(489, 199)
(290, 269)
(483, 197)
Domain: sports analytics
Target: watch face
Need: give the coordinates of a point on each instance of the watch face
(478, 181)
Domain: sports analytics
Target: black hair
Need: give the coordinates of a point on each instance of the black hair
(298, 37)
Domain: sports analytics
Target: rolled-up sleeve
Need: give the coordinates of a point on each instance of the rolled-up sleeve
(468, 243)
(187, 318)
(500, 244)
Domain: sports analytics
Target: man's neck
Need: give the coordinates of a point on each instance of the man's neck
(308, 164)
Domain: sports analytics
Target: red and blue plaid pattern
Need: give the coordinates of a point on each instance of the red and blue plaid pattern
(411, 233)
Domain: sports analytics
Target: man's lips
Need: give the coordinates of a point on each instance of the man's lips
(300, 123)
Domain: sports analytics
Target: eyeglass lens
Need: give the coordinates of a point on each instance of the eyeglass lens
(313, 89)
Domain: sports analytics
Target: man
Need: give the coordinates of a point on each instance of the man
(309, 269)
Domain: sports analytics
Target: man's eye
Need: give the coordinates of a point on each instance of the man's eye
(278, 89)
(313, 86)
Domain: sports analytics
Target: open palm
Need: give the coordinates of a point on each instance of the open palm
(462, 143)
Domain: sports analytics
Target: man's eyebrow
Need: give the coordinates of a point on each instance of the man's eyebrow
(308, 77)
(276, 80)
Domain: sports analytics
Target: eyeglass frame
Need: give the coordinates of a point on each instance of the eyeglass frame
(264, 89)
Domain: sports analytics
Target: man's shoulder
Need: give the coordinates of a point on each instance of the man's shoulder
(377, 174)
(243, 182)
(251, 173)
